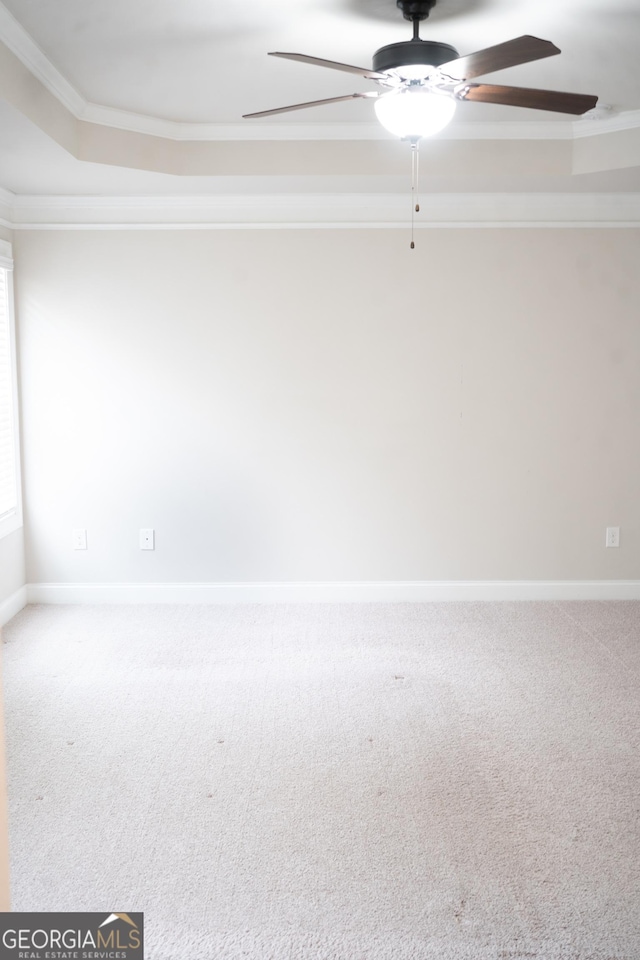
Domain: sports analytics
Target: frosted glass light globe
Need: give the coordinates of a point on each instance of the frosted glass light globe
(414, 112)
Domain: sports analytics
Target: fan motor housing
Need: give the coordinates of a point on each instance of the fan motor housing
(413, 51)
(415, 9)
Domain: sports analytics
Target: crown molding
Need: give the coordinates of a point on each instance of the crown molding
(264, 130)
(6, 208)
(241, 131)
(16, 38)
(588, 126)
(605, 123)
(19, 41)
(298, 211)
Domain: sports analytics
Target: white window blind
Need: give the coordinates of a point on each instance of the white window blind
(9, 494)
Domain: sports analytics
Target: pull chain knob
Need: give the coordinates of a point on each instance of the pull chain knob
(415, 174)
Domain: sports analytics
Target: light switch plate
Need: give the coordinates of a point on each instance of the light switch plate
(147, 539)
(79, 539)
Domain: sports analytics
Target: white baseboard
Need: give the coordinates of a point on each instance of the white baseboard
(333, 592)
(13, 605)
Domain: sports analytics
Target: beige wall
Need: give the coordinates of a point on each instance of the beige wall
(12, 562)
(329, 405)
(12, 577)
(4, 831)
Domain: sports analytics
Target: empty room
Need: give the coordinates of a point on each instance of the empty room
(319, 480)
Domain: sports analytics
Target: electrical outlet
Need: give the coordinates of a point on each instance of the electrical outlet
(79, 539)
(613, 537)
(147, 539)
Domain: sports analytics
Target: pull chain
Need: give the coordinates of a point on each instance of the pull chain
(415, 176)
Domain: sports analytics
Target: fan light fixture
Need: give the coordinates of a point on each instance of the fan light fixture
(414, 112)
(423, 80)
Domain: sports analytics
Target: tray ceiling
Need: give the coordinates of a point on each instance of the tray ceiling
(168, 72)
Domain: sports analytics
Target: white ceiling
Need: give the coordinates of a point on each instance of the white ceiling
(205, 60)
(188, 71)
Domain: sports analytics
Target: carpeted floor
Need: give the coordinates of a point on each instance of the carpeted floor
(320, 782)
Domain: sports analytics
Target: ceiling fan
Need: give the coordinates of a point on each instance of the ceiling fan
(423, 80)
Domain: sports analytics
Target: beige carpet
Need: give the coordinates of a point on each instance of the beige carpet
(354, 782)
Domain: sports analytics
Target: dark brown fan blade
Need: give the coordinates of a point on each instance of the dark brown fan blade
(332, 64)
(509, 54)
(310, 103)
(576, 103)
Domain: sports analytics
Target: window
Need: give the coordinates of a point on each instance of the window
(10, 503)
